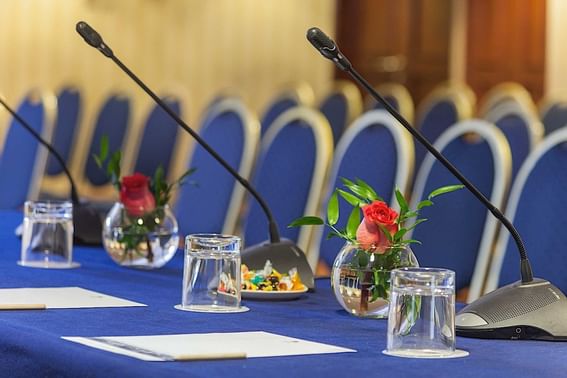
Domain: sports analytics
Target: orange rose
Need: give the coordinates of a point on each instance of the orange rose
(379, 212)
(135, 195)
(371, 238)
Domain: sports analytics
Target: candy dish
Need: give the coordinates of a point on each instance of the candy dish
(273, 295)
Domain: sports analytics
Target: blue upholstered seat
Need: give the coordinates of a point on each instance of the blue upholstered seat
(536, 208)
(375, 149)
(460, 230)
(66, 126)
(159, 138)
(112, 120)
(22, 160)
(341, 106)
(300, 94)
(554, 116)
(214, 203)
(521, 128)
(291, 168)
(397, 96)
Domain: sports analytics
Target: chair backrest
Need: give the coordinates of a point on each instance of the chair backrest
(396, 95)
(159, 137)
(521, 126)
(503, 93)
(376, 149)
(535, 207)
(66, 129)
(292, 168)
(341, 106)
(460, 230)
(113, 121)
(443, 107)
(213, 204)
(553, 114)
(22, 159)
(300, 94)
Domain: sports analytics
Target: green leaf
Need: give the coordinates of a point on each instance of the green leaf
(307, 221)
(104, 143)
(371, 193)
(402, 202)
(333, 209)
(400, 234)
(356, 189)
(423, 204)
(181, 180)
(416, 223)
(412, 241)
(443, 190)
(350, 198)
(408, 215)
(97, 160)
(353, 223)
(113, 167)
(386, 233)
(333, 234)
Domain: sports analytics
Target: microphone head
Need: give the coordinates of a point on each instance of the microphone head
(89, 34)
(325, 45)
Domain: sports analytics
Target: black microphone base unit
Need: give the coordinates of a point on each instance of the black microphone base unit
(284, 255)
(520, 311)
(87, 225)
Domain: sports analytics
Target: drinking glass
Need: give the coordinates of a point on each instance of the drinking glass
(47, 236)
(211, 274)
(421, 319)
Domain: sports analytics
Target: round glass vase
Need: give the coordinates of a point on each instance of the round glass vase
(361, 279)
(148, 241)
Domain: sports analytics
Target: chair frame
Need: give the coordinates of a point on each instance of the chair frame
(502, 159)
(502, 93)
(555, 138)
(404, 171)
(324, 153)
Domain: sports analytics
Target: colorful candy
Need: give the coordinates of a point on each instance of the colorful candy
(269, 279)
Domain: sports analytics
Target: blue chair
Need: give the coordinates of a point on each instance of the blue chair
(520, 125)
(69, 106)
(397, 96)
(214, 203)
(460, 231)
(290, 174)
(22, 160)
(535, 207)
(505, 93)
(376, 149)
(341, 106)
(112, 120)
(553, 115)
(300, 94)
(445, 106)
(160, 137)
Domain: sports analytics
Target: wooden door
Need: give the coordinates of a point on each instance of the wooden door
(403, 41)
(506, 42)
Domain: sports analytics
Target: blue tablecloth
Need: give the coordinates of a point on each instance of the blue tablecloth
(31, 344)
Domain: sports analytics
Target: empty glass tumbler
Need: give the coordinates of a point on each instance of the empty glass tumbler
(47, 236)
(211, 274)
(421, 319)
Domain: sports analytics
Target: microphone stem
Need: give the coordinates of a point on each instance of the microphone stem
(526, 272)
(74, 195)
(273, 228)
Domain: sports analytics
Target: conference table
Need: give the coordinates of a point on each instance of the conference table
(31, 343)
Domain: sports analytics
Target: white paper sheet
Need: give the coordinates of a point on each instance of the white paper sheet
(253, 344)
(62, 297)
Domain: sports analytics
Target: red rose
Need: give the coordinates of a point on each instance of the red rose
(380, 213)
(135, 195)
(371, 238)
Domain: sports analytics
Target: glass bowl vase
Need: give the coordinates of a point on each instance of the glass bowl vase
(147, 241)
(361, 280)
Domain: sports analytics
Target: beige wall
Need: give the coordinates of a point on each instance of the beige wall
(255, 46)
(556, 50)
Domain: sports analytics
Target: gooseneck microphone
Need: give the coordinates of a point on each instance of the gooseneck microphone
(528, 309)
(283, 253)
(87, 225)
